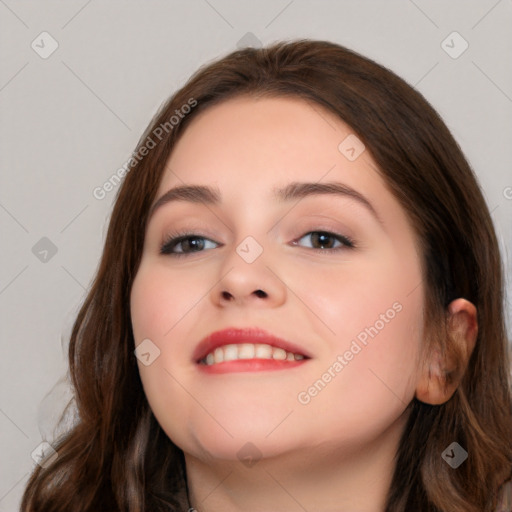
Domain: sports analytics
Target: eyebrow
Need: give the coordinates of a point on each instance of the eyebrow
(295, 190)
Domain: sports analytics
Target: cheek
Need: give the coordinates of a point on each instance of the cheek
(371, 314)
(369, 376)
(160, 300)
(352, 297)
(159, 303)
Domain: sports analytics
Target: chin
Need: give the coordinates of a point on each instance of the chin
(233, 437)
(243, 448)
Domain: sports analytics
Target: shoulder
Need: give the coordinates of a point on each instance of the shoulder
(505, 498)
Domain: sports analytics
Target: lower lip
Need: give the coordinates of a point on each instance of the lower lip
(250, 365)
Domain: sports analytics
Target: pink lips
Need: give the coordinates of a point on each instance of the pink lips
(233, 336)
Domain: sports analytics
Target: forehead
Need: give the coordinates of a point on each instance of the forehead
(254, 142)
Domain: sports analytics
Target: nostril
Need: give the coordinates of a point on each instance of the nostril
(228, 296)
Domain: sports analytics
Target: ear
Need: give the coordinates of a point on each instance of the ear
(441, 374)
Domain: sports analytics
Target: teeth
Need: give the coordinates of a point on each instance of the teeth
(218, 355)
(246, 351)
(263, 351)
(249, 351)
(279, 354)
(230, 353)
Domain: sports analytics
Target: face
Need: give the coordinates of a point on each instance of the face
(334, 271)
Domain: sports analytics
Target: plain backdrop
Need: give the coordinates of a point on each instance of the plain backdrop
(71, 118)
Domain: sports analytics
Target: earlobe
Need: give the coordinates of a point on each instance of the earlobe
(441, 373)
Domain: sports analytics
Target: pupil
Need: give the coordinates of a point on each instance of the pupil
(320, 238)
(193, 243)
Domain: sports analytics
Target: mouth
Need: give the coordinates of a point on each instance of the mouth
(247, 349)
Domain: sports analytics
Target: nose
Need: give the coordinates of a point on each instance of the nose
(244, 282)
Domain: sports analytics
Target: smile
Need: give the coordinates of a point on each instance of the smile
(248, 351)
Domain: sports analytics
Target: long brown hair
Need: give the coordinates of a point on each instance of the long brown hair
(117, 457)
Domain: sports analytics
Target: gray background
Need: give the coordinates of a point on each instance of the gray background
(69, 121)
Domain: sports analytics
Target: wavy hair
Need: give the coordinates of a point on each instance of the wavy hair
(117, 458)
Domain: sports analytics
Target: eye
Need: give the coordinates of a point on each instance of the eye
(181, 244)
(327, 240)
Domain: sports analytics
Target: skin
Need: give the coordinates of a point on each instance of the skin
(336, 451)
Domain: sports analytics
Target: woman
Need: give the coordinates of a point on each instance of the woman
(222, 363)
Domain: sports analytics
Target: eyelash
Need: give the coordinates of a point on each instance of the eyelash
(173, 239)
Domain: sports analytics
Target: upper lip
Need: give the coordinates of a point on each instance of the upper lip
(236, 335)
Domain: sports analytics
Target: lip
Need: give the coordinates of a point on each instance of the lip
(237, 335)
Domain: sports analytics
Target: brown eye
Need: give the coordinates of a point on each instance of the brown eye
(181, 245)
(324, 240)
